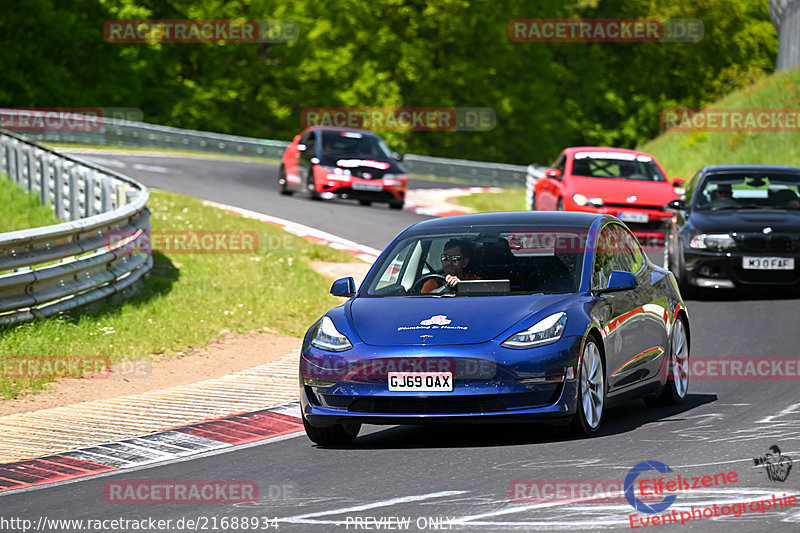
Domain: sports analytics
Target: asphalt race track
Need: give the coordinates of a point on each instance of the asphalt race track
(464, 478)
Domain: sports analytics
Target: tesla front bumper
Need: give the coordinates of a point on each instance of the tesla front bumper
(502, 386)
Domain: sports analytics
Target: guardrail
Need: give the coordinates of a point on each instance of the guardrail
(125, 133)
(48, 270)
(534, 173)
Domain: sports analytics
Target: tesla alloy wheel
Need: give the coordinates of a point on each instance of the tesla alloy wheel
(591, 390)
(677, 386)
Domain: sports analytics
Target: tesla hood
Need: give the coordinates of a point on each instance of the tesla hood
(443, 320)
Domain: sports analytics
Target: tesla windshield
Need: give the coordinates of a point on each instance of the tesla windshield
(749, 191)
(616, 165)
(487, 262)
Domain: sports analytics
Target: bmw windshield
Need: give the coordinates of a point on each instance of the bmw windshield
(749, 191)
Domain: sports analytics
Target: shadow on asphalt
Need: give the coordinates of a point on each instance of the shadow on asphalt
(617, 420)
(745, 294)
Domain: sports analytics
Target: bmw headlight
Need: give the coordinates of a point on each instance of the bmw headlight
(543, 332)
(712, 241)
(583, 200)
(328, 338)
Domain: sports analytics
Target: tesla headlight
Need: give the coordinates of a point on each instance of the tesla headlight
(328, 338)
(712, 241)
(543, 332)
(582, 200)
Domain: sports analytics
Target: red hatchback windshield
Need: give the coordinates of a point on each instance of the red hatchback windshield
(631, 167)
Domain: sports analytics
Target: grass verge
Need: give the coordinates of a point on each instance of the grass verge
(684, 153)
(485, 202)
(20, 209)
(188, 299)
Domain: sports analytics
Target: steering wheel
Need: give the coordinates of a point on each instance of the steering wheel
(417, 287)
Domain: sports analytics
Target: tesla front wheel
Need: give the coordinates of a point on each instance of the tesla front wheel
(335, 435)
(591, 391)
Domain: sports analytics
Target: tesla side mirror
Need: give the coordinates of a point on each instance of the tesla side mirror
(677, 205)
(678, 182)
(399, 157)
(553, 173)
(345, 287)
(619, 280)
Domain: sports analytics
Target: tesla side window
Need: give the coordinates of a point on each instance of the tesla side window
(612, 253)
(632, 249)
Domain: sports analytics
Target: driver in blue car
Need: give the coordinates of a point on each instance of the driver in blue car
(455, 260)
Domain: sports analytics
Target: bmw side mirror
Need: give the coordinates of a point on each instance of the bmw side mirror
(344, 287)
(399, 157)
(619, 280)
(677, 205)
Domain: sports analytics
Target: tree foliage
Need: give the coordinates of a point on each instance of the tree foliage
(389, 53)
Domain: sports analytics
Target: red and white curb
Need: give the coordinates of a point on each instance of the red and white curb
(365, 253)
(168, 445)
(430, 202)
(433, 202)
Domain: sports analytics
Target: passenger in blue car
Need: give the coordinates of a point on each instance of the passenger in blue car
(455, 260)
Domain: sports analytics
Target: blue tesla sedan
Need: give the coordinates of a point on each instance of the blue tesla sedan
(497, 317)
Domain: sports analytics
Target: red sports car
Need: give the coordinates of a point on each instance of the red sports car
(628, 184)
(324, 162)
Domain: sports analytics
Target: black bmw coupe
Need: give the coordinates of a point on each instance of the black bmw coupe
(738, 225)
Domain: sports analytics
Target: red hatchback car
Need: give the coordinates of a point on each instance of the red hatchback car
(628, 184)
(324, 162)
